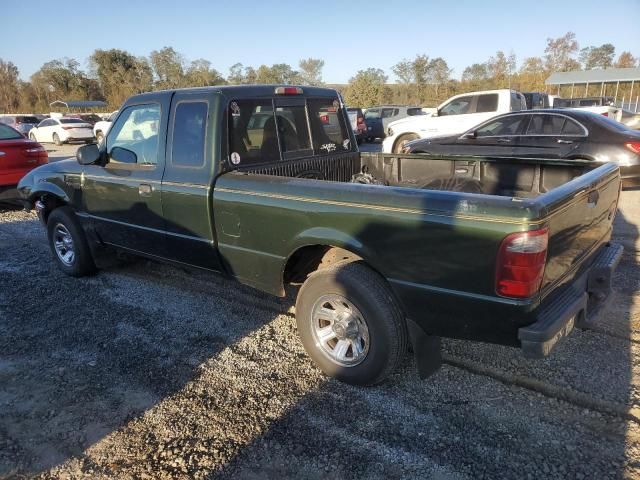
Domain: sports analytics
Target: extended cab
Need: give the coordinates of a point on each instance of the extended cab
(265, 184)
(456, 115)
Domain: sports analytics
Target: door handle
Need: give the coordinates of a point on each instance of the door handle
(504, 140)
(145, 190)
(563, 141)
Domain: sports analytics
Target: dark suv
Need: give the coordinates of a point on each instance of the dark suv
(379, 118)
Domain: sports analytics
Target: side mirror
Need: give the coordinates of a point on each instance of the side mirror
(470, 135)
(88, 154)
(123, 155)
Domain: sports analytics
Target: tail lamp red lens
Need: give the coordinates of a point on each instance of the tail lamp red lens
(633, 146)
(520, 264)
(360, 120)
(605, 114)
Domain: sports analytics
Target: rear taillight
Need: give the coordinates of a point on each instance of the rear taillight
(605, 114)
(360, 120)
(633, 146)
(68, 127)
(520, 265)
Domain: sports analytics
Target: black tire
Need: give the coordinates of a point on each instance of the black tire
(368, 293)
(402, 140)
(56, 139)
(63, 219)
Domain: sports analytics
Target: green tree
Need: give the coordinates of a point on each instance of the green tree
(532, 74)
(476, 76)
(440, 73)
(310, 71)
(120, 74)
(560, 52)
(9, 87)
(597, 57)
(368, 87)
(168, 67)
(201, 74)
(236, 74)
(499, 69)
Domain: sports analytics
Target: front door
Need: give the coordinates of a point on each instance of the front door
(122, 200)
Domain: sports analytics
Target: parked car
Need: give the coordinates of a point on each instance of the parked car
(18, 156)
(379, 118)
(285, 209)
(455, 115)
(22, 123)
(90, 118)
(356, 117)
(558, 134)
(62, 130)
(101, 128)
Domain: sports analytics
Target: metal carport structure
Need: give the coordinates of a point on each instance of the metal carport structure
(609, 76)
(79, 104)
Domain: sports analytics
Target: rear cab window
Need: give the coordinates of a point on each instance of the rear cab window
(487, 103)
(269, 130)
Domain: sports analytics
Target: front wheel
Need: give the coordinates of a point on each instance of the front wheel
(350, 324)
(403, 140)
(69, 244)
(56, 139)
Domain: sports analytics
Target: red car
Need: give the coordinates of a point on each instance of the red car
(18, 156)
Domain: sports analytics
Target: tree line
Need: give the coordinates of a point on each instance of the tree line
(114, 75)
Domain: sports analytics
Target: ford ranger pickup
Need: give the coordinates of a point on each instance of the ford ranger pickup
(265, 184)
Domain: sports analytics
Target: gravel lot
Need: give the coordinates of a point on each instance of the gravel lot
(147, 371)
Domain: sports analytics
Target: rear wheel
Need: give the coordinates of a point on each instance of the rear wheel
(69, 244)
(403, 140)
(350, 324)
(56, 139)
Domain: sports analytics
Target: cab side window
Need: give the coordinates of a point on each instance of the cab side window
(189, 134)
(136, 130)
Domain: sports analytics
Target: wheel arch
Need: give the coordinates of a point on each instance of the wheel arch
(51, 197)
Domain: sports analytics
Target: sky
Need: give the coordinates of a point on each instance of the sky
(348, 35)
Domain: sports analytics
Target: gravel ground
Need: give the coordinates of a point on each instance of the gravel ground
(147, 371)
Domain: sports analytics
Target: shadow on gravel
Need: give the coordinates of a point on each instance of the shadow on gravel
(81, 358)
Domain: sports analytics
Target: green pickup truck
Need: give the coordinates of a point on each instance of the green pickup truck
(265, 184)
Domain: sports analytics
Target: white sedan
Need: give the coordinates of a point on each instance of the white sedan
(62, 130)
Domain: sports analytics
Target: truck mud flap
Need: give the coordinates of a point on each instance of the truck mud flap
(426, 350)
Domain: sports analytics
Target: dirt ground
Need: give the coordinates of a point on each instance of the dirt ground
(147, 371)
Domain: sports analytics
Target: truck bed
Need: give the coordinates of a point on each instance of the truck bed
(433, 241)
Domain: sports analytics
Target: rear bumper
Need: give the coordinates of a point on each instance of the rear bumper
(556, 318)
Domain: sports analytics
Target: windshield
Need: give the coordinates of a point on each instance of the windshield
(8, 133)
(72, 120)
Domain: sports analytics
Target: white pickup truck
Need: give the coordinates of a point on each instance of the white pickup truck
(456, 115)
